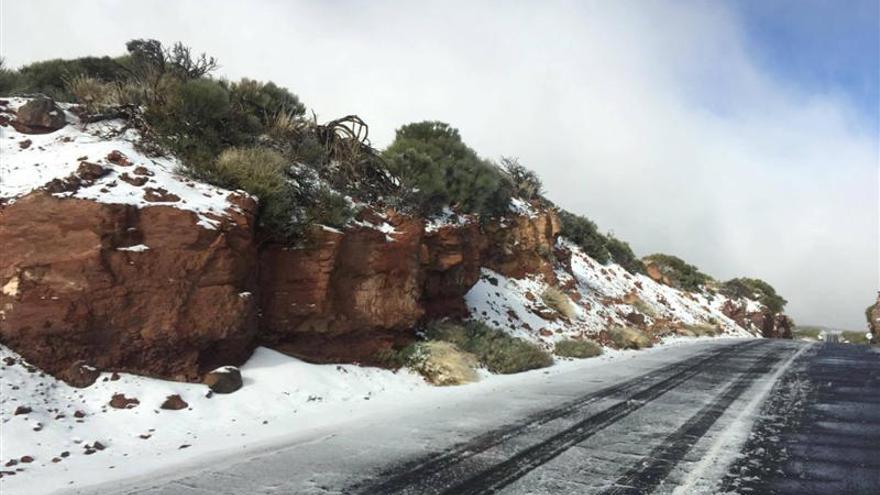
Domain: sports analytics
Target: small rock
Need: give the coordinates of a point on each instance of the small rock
(22, 410)
(80, 375)
(141, 170)
(159, 195)
(184, 446)
(135, 181)
(114, 376)
(98, 446)
(224, 380)
(56, 459)
(25, 144)
(145, 436)
(79, 414)
(120, 401)
(91, 171)
(174, 403)
(39, 116)
(118, 158)
(11, 462)
(26, 459)
(65, 454)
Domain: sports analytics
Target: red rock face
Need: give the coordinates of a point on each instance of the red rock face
(451, 262)
(522, 245)
(174, 310)
(341, 284)
(772, 326)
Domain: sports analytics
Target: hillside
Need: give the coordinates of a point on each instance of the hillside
(139, 244)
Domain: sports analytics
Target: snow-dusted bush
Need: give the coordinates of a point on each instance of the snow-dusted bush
(559, 301)
(577, 349)
(629, 338)
(496, 350)
(703, 330)
(441, 363)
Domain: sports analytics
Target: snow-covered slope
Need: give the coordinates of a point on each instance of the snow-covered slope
(602, 295)
(30, 161)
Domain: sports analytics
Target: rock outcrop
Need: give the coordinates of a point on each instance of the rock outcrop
(119, 287)
(771, 325)
(873, 316)
(39, 116)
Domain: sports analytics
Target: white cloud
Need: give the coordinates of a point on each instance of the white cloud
(652, 118)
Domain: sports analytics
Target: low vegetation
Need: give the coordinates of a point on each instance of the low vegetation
(853, 337)
(702, 330)
(559, 301)
(755, 289)
(805, 332)
(496, 350)
(680, 274)
(441, 363)
(644, 308)
(578, 349)
(629, 338)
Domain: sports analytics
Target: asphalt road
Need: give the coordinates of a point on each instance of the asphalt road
(753, 416)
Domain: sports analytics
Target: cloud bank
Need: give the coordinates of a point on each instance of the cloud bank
(655, 119)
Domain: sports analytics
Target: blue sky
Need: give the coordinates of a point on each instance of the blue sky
(822, 45)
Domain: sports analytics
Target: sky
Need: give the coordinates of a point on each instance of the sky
(741, 136)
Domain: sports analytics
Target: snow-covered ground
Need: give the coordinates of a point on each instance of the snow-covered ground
(30, 161)
(282, 398)
(606, 294)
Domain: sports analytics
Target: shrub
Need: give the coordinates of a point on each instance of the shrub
(259, 171)
(629, 338)
(703, 330)
(526, 183)
(559, 302)
(808, 333)
(755, 289)
(50, 76)
(644, 308)
(852, 337)
(579, 349)
(93, 94)
(623, 255)
(496, 350)
(433, 163)
(10, 80)
(680, 274)
(441, 363)
(265, 101)
(585, 234)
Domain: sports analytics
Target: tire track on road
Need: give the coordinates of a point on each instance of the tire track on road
(409, 476)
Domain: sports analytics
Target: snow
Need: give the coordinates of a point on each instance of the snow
(137, 248)
(515, 305)
(283, 399)
(446, 218)
(57, 155)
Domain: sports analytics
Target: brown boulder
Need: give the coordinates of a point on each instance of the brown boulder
(120, 401)
(223, 380)
(174, 310)
(523, 245)
(174, 403)
(39, 116)
(80, 375)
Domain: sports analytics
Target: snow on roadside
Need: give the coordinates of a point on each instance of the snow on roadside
(30, 161)
(605, 295)
(282, 398)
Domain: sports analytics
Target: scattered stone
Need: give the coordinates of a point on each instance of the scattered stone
(114, 376)
(25, 144)
(80, 375)
(91, 171)
(11, 462)
(22, 410)
(159, 195)
(65, 454)
(135, 181)
(98, 446)
(56, 460)
(9, 361)
(224, 380)
(174, 403)
(120, 401)
(116, 157)
(141, 170)
(144, 436)
(26, 459)
(184, 446)
(79, 414)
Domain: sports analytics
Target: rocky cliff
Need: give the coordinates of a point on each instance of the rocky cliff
(113, 260)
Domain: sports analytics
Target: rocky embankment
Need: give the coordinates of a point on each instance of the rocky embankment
(113, 261)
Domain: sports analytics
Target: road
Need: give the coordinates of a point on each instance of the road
(754, 416)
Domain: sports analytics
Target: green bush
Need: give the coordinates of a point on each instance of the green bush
(855, 337)
(755, 289)
(50, 76)
(525, 183)
(496, 350)
(10, 80)
(680, 274)
(585, 234)
(559, 301)
(579, 349)
(623, 255)
(439, 169)
(265, 101)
